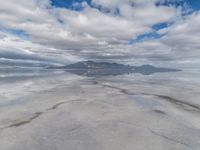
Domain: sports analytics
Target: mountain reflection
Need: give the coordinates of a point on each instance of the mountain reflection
(97, 69)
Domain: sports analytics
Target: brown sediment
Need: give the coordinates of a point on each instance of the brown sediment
(169, 138)
(159, 111)
(61, 103)
(182, 104)
(38, 114)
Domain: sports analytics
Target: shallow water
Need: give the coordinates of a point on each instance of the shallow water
(44, 110)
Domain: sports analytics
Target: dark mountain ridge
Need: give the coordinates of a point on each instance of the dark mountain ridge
(91, 68)
(93, 65)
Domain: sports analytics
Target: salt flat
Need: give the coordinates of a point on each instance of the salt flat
(128, 112)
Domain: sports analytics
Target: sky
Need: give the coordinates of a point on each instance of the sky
(38, 33)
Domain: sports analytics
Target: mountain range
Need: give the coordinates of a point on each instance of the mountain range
(92, 68)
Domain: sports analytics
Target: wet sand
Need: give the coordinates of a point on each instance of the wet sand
(126, 112)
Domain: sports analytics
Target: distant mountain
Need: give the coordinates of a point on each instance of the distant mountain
(149, 69)
(93, 65)
(91, 68)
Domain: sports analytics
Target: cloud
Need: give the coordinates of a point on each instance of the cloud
(88, 27)
(13, 49)
(183, 38)
(100, 30)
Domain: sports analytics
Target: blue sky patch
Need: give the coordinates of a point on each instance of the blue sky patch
(194, 4)
(67, 3)
(146, 37)
(161, 26)
(19, 33)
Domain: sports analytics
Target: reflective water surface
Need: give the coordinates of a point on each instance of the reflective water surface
(55, 109)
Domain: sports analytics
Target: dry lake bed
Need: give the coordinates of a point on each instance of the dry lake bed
(64, 111)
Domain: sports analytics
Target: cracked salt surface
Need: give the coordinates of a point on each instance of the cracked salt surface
(125, 112)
